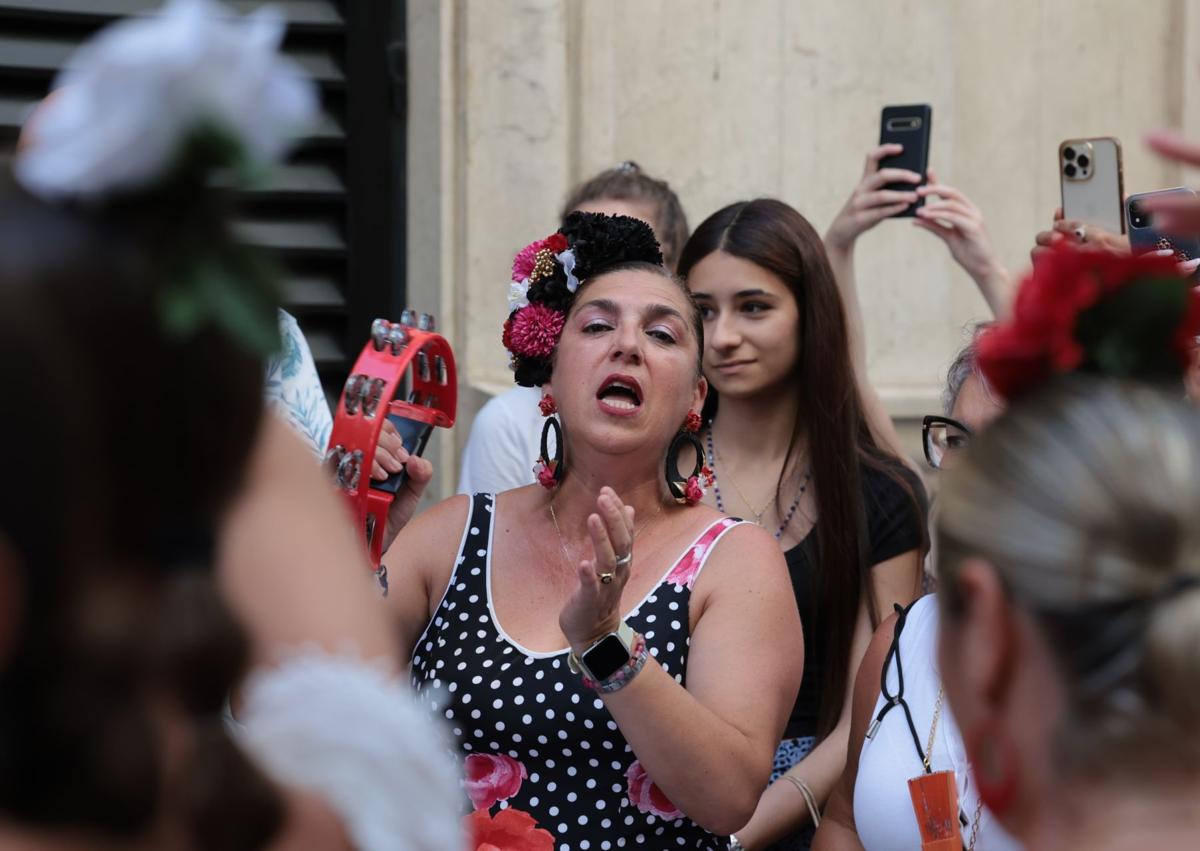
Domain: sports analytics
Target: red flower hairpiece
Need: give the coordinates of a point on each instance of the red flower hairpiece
(1093, 311)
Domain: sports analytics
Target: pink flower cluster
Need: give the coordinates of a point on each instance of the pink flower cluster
(533, 331)
(523, 263)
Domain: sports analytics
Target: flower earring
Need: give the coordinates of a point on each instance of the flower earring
(688, 490)
(549, 471)
(996, 767)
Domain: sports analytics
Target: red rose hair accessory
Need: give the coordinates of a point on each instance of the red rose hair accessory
(1097, 312)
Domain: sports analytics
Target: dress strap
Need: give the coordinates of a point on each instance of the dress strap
(687, 570)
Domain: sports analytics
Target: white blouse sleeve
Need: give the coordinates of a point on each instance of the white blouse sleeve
(346, 730)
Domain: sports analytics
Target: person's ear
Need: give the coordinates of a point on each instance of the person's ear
(12, 595)
(979, 643)
(701, 393)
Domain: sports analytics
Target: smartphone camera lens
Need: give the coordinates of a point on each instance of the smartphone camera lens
(1069, 153)
(1083, 161)
(1138, 217)
(1070, 170)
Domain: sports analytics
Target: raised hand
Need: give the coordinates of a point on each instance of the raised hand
(870, 203)
(955, 219)
(594, 610)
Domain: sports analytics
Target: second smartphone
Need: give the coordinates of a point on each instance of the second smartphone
(909, 126)
(1093, 182)
(1144, 236)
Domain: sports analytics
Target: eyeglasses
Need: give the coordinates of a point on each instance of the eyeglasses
(942, 436)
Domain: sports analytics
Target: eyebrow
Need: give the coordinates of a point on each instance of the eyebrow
(651, 311)
(740, 294)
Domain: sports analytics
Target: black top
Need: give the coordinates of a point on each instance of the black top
(894, 526)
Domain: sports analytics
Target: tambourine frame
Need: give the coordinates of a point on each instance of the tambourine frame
(395, 352)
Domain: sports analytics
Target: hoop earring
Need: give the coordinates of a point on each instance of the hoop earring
(996, 771)
(550, 471)
(686, 490)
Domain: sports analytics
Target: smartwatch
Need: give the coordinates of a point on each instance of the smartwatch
(606, 656)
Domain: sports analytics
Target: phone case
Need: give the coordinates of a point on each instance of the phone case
(1144, 236)
(1093, 194)
(909, 126)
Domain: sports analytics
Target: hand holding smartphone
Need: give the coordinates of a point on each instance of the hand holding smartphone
(909, 126)
(1145, 235)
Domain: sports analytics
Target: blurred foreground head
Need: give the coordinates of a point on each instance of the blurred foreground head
(1069, 552)
(132, 332)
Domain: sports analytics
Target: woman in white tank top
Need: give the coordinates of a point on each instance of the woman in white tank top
(882, 817)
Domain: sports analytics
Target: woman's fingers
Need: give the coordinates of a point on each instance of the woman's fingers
(949, 209)
(886, 197)
(947, 193)
(1173, 146)
(876, 154)
(889, 175)
(935, 228)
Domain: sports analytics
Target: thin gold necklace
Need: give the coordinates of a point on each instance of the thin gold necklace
(928, 757)
(562, 542)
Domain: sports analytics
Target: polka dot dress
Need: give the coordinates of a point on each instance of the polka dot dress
(533, 737)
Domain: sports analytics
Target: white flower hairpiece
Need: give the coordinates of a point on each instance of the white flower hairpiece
(132, 97)
(567, 259)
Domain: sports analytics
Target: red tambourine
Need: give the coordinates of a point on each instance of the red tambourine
(375, 393)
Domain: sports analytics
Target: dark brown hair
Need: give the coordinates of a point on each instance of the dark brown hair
(128, 444)
(627, 182)
(829, 414)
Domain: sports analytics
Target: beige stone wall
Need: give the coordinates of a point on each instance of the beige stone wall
(513, 101)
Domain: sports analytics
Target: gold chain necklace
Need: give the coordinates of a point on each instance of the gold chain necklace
(758, 513)
(928, 756)
(562, 542)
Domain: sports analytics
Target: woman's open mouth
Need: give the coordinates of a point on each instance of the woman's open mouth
(620, 395)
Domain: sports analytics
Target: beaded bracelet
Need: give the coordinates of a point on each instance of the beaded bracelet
(638, 654)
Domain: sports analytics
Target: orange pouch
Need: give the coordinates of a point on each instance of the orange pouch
(935, 803)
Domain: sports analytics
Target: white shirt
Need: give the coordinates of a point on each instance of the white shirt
(883, 811)
(504, 443)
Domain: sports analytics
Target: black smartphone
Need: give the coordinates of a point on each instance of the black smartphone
(1144, 236)
(909, 126)
(415, 435)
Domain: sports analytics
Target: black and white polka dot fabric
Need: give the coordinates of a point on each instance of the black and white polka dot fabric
(533, 737)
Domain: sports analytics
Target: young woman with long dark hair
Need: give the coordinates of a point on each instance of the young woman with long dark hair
(791, 449)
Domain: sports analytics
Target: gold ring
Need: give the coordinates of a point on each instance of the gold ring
(606, 578)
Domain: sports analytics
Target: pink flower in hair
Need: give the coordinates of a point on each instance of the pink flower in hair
(523, 262)
(533, 331)
(526, 258)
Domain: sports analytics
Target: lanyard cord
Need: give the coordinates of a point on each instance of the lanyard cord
(897, 699)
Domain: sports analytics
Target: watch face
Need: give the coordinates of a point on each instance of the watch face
(606, 658)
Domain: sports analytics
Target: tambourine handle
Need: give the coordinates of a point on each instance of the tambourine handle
(395, 351)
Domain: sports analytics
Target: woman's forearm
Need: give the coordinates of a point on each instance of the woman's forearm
(841, 261)
(782, 810)
(709, 769)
